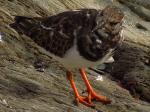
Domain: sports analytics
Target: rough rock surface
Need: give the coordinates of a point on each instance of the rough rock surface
(132, 61)
(25, 88)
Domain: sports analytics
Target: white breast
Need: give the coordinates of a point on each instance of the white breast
(72, 59)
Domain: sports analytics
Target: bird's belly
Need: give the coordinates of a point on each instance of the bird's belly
(76, 61)
(73, 59)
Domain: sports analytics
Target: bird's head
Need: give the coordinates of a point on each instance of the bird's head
(106, 34)
(109, 17)
(112, 14)
(108, 26)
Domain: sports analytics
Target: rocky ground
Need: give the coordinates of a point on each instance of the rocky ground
(26, 88)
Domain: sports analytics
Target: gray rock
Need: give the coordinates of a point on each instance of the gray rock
(23, 89)
(131, 69)
(138, 9)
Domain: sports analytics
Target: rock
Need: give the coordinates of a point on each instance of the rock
(144, 3)
(133, 72)
(23, 88)
(138, 25)
(139, 10)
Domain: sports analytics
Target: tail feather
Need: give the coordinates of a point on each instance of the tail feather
(24, 25)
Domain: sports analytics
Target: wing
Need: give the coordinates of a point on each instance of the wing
(49, 37)
(105, 37)
(55, 33)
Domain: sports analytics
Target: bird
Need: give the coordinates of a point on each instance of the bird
(78, 39)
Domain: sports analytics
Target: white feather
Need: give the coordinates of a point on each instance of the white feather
(45, 27)
(73, 59)
(110, 60)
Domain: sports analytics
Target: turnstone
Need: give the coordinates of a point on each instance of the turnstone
(79, 38)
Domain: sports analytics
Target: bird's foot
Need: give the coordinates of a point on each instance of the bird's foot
(84, 101)
(92, 95)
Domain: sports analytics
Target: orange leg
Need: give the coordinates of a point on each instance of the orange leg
(79, 98)
(91, 93)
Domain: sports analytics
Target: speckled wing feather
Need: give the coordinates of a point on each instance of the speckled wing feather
(55, 33)
(97, 32)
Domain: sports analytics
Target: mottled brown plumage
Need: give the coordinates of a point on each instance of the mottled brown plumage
(54, 33)
(95, 31)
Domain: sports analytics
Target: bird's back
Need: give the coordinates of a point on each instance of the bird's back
(76, 37)
(56, 33)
